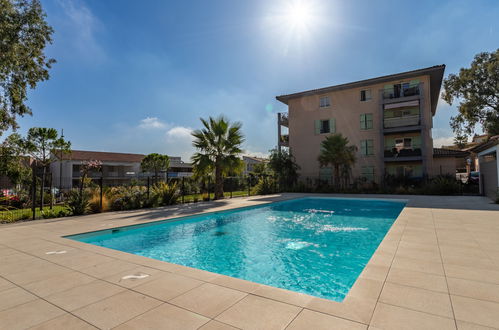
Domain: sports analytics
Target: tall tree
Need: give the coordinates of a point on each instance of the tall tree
(24, 34)
(40, 143)
(12, 164)
(285, 169)
(477, 89)
(336, 152)
(155, 163)
(219, 146)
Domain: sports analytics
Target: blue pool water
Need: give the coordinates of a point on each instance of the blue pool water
(317, 246)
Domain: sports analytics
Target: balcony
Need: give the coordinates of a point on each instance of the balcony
(405, 154)
(400, 90)
(402, 121)
(283, 119)
(284, 140)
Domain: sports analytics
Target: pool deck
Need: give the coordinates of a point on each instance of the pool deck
(437, 268)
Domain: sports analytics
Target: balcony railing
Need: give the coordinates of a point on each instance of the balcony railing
(401, 153)
(398, 91)
(284, 140)
(284, 121)
(411, 120)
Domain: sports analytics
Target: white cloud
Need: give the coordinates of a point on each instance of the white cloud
(80, 28)
(179, 133)
(443, 141)
(151, 123)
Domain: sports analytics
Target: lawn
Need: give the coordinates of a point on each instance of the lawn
(25, 214)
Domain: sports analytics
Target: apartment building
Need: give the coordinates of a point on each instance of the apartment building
(117, 168)
(388, 118)
(250, 162)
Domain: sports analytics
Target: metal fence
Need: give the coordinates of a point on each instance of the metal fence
(24, 201)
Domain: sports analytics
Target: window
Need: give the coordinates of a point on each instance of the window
(403, 143)
(367, 147)
(324, 102)
(325, 126)
(365, 95)
(367, 172)
(366, 121)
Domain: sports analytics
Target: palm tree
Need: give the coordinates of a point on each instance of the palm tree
(219, 145)
(335, 151)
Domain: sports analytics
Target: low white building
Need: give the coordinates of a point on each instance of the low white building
(250, 162)
(117, 168)
(488, 166)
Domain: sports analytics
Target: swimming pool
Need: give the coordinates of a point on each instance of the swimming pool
(317, 246)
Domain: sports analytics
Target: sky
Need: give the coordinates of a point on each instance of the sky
(136, 76)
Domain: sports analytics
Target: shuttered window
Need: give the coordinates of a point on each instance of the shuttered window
(366, 121)
(367, 147)
(325, 126)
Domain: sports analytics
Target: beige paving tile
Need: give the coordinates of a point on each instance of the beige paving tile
(472, 273)
(308, 319)
(366, 288)
(168, 286)
(215, 325)
(259, 313)
(117, 309)
(13, 297)
(420, 254)
(135, 277)
(108, 269)
(165, 317)
(286, 296)
(236, 283)
(28, 314)
(375, 272)
(461, 325)
(480, 263)
(418, 299)
(352, 308)
(476, 311)
(58, 283)
(79, 259)
(473, 289)
(390, 317)
(66, 322)
(83, 295)
(197, 273)
(208, 299)
(5, 284)
(418, 265)
(417, 279)
(38, 273)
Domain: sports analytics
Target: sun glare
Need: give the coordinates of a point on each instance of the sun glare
(298, 15)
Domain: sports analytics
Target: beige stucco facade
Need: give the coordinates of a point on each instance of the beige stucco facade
(345, 110)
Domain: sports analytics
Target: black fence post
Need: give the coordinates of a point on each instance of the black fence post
(183, 189)
(51, 192)
(231, 179)
(208, 188)
(33, 201)
(148, 186)
(101, 181)
(249, 186)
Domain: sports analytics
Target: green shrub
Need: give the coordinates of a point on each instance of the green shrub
(127, 198)
(442, 185)
(77, 203)
(166, 193)
(264, 186)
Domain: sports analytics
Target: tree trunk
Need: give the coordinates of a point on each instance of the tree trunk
(43, 188)
(337, 175)
(219, 184)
